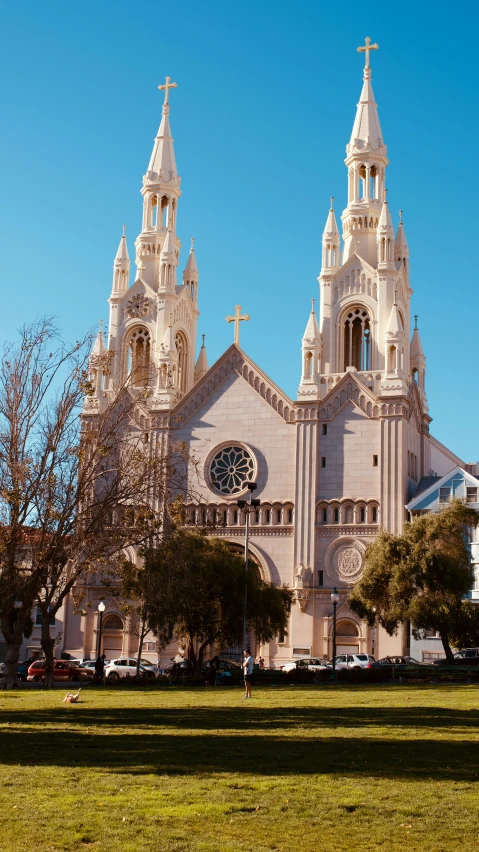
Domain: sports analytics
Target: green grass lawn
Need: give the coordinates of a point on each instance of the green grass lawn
(199, 770)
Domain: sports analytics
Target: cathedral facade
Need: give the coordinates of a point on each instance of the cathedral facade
(332, 466)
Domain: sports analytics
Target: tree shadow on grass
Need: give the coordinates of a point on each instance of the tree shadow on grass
(248, 717)
(220, 739)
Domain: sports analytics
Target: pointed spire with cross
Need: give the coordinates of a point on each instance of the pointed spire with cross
(237, 318)
(167, 85)
(365, 49)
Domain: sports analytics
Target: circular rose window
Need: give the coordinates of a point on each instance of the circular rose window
(230, 469)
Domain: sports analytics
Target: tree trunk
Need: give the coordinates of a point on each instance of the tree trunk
(12, 629)
(48, 645)
(447, 647)
(141, 638)
(10, 679)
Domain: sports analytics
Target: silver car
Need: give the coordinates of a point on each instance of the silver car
(353, 661)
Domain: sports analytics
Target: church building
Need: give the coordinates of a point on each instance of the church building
(333, 465)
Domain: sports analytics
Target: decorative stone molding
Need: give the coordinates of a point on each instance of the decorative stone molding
(344, 560)
(302, 596)
(253, 531)
(335, 530)
(138, 306)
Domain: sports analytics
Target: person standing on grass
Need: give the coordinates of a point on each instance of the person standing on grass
(100, 668)
(248, 672)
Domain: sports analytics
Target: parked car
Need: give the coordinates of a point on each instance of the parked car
(62, 670)
(353, 661)
(466, 657)
(126, 667)
(313, 664)
(22, 668)
(390, 662)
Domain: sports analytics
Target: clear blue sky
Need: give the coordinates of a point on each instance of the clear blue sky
(264, 107)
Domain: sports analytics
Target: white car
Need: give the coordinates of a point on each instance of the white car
(313, 664)
(126, 667)
(353, 661)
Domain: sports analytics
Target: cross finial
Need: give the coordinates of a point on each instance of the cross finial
(124, 230)
(386, 196)
(367, 47)
(400, 217)
(167, 85)
(192, 244)
(203, 338)
(237, 318)
(101, 326)
(415, 320)
(331, 202)
(312, 305)
(395, 297)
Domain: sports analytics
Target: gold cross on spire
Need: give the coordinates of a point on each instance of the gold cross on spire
(167, 86)
(368, 46)
(237, 318)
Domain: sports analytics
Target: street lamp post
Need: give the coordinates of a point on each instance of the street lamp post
(334, 601)
(101, 610)
(247, 505)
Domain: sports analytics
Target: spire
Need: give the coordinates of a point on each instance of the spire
(366, 134)
(331, 241)
(190, 275)
(311, 353)
(401, 248)
(385, 236)
(394, 326)
(168, 263)
(385, 223)
(162, 166)
(99, 348)
(191, 269)
(202, 365)
(168, 250)
(312, 333)
(416, 351)
(121, 266)
(331, 228)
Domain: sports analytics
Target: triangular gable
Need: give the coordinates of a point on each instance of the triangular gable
(353, 261)
(140, 286)
(427, 497)
(234, 360)
(349, 388)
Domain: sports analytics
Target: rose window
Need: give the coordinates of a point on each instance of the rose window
(230, 469)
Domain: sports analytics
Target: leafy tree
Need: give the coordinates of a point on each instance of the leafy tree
(73, 493)
(421, 575)
(465, 627)
(195, 585)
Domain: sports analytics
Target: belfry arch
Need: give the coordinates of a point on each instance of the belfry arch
(356, 341)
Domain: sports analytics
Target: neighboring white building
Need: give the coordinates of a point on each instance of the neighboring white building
(432, 495)
(331, 466)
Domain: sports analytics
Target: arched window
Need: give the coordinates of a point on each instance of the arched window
(308, 363)
(415, 375)
(357, 339)
(164, 212)
(113, 622)
(139, 357)
(373, 187)
(182, 350)
(154, 212)
(392, 358)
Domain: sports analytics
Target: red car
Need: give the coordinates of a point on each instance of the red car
(62, 670)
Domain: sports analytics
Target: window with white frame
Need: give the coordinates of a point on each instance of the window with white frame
(445, 494)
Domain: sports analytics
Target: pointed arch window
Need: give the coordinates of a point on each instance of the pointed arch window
(139, 357)
(182, 350)
(357, 339)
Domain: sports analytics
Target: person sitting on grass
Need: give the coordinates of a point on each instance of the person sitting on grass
(248, 672)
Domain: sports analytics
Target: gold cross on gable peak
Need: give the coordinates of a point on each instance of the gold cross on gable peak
(237, 318)
(167, 85)
(367, 47)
